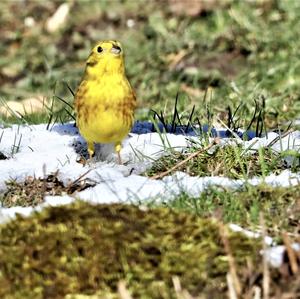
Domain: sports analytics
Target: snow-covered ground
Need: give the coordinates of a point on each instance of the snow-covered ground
(35, 151)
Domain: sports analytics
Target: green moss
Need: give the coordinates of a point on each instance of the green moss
(82, 249)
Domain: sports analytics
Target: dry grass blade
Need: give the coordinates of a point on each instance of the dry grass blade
(230, 130)
(231, 289)
(291, 253)
(123, 291)
(280, 137)
(234, 284)
(180, 293)
(256, 292)
(176, 284)
(70, 89)
(181, 163)
(266, 271)
(75, 185)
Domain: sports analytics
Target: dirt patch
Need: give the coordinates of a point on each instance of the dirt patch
(223, 64)
(228, 64)
(32, 191)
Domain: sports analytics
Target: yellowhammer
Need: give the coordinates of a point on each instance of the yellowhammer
(105, 101)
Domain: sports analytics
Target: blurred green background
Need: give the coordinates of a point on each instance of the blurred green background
(214, 53)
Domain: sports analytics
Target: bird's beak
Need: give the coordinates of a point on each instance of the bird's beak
(115, 49)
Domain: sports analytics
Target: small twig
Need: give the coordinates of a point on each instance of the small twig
(77, 180)
(191, 156)
(291, 253)
(266, 271)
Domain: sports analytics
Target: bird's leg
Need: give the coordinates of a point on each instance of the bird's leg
(91, 149)
(118, 148)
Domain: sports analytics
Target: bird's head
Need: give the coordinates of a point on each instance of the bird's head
(106, 58)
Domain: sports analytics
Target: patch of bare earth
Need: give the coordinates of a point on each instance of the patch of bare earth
(33, 190)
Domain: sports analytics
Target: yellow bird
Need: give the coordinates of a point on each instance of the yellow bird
(105, 101)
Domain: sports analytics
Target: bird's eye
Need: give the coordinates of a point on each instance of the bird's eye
(99, 49)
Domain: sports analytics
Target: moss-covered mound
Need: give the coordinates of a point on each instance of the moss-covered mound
(88, 249)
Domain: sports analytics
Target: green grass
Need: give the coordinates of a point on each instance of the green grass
(242, 51)
(279, 205)
(232, 161)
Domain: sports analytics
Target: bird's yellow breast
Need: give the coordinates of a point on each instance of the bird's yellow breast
(105, 108)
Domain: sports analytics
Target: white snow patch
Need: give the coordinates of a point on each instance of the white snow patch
(236, 228)
(36, 151)
(274, 255)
